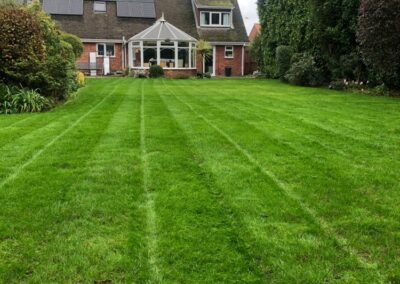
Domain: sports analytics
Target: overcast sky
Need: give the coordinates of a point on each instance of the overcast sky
(249, 11)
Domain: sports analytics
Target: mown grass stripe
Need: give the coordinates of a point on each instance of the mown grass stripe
(342, 242)
(150, 206)
(20, 168)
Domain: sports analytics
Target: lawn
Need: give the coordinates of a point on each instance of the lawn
(191, 181)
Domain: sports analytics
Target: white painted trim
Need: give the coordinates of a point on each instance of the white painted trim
(87, 40)
(221, 18)
(233, 52)
(243, 60)
(214, 60)
(226, 43)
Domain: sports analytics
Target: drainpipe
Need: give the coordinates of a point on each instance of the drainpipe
(123, 53)
(243, 59)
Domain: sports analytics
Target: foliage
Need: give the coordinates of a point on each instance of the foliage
(75, 42)
(283, 60)
(80, 79)
(381, 90)
(256, 51)
(204, 49)
(18, 100)
(378, 36)
(21, 39)
(156, 71)
(29, 101)
(33, 53)
(323, 28)
(304, 71)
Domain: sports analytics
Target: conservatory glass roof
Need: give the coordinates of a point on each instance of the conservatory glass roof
(162, 30)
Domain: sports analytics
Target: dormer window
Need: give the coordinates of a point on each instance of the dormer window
(215, 19)
(99, 7)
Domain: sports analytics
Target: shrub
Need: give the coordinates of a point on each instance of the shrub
(379, 40)
(14, 100)
(156, 71)
(338, 85)
(33, 53)
(304, 71)
(207, 75)
(75, 42)
(380, 90)
(283, 60)
(80, 79)
(30, 101)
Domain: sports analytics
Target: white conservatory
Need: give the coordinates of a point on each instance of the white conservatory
(162, 44)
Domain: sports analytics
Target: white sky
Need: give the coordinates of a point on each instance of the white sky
(249, 12)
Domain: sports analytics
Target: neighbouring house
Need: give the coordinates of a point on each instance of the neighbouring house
(134, 34)
(255, 32)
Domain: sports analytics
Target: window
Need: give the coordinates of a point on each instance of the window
(228, 51)
(105, 49)
(215, 19)
(99, 7)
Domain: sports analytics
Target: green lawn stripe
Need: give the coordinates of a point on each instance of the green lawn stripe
(55, 199)
(50, 143)
(279, 263)
(156, 275)
(314, 167)
(289, 193)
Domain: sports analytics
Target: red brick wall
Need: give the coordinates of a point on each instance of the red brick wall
(221, 62)
(115, 62)
(179, 73)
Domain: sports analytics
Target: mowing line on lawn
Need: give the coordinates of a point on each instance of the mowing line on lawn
(306, 137)
(150, 211)
(333, 131)
(342, 242)
(49, 144)
(36, 128)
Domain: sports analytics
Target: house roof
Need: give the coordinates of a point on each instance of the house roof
(255, 31)
(179, 13)
(162, 30)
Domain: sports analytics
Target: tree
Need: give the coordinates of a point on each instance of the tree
(379, 38)
(204, 48)
(75, 42)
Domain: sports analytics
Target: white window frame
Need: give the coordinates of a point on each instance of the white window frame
(105, 49)
(97, 11)
(221, 19)
(230, 48)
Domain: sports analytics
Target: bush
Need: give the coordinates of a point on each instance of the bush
(37, 58)
(14, 100)
(156, 71)
(80, 79)
(75, 42)
(379, 40)
(283, 60)
(338, 85)
(30, 101)
(304, 71)
(207, 75)
(380, 90)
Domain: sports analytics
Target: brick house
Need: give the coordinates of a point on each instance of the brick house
(134, 34)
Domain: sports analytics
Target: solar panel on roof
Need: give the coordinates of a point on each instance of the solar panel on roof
(136, 8)
(63, 7)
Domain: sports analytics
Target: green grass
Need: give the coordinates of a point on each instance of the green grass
(191, 181)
